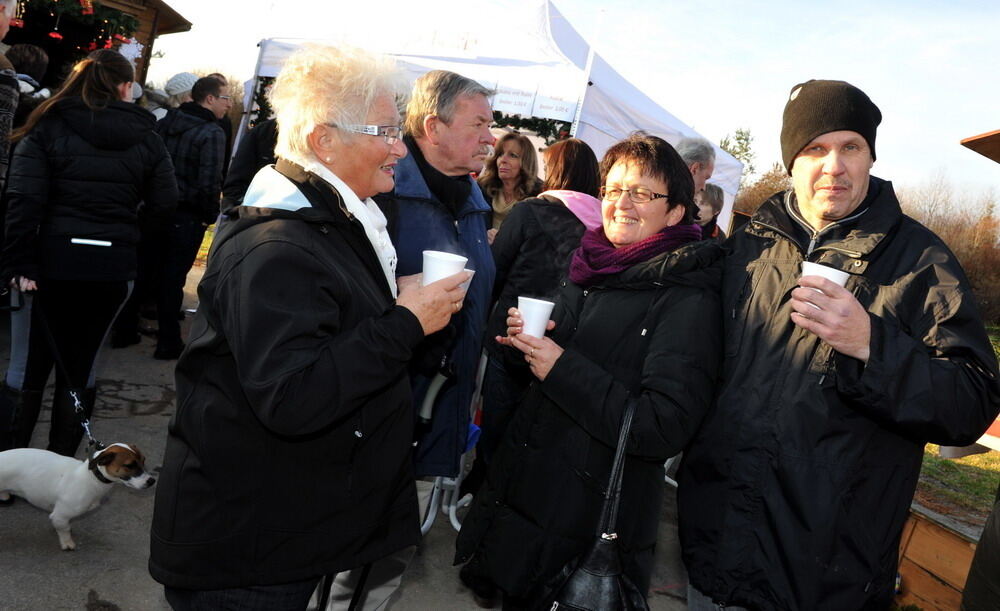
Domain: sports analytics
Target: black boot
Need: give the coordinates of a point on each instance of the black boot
(65, 431)
(18, 415)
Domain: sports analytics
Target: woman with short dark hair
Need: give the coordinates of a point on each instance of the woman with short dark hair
(636, 322)
(85, 159)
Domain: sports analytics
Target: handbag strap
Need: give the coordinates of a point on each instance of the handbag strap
(609, 514)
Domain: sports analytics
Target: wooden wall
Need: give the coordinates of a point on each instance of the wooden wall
(147, 15)
(934, 563)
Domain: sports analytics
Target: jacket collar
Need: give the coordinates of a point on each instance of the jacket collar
(410, 183)
(858, 235)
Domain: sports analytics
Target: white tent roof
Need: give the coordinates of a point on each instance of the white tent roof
(543, 68)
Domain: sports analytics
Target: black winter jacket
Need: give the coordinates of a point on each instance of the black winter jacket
(81, 174)
(649, 335)
(197, 146)
(255, 151)
(532, 252)
(289, 456)
(794, 493)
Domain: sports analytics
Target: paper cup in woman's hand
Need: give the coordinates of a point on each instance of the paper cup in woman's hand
(439, 265)
(535, 313)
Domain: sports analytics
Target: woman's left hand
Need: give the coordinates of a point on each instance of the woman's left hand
(540, 353)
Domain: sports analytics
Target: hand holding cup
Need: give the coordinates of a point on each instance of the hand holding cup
(433, 304)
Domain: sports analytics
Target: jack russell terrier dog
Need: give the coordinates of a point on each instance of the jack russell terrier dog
(68, 487)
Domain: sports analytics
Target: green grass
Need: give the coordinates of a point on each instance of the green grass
(206, 244)
(969, 483)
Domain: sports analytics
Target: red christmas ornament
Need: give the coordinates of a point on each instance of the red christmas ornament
(108, 43)
(17, 23)
(92, 46)
(55, 35)
(120, 38)
(86, 7)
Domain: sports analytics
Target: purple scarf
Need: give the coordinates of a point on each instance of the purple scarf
(597, 258)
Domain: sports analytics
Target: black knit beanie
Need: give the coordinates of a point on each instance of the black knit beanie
(818, 107)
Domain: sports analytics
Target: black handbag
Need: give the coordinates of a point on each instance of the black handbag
(595, 580)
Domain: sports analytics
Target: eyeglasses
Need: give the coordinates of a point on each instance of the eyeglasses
(638, 196)
(391, 133)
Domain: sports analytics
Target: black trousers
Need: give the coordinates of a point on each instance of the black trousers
(78, 315)
(180, 248)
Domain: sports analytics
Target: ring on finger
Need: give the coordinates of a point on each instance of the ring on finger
(457, 305)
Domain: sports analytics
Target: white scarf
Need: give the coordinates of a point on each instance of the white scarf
(371, 218)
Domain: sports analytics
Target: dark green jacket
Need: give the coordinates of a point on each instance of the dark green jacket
(794, 493)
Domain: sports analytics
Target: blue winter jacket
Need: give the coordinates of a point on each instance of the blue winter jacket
(420, 222)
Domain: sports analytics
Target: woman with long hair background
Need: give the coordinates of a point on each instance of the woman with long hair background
(86, 169)
(510, 175)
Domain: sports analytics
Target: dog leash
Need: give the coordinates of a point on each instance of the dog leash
(78, 407)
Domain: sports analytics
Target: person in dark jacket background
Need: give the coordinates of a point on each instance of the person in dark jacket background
(709, 202)
(636, 322)
(255, 151)
(532, 251)
(289, 456)
(9, 91)
(30, 64)
(197, 146)
(84, 161)
(794, 493)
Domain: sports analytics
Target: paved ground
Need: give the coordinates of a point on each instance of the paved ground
(108, 570)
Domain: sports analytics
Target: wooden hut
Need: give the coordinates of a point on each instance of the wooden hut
(156, 18)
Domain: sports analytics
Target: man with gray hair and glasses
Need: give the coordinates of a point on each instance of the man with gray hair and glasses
(699, 155)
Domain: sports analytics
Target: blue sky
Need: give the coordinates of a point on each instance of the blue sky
(717, 66)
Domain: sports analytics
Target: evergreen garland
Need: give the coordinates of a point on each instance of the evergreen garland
(261, 107)
(116, 25)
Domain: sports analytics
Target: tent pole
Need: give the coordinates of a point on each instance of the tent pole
(583, 93)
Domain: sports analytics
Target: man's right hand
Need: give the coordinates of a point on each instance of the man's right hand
(434, 304)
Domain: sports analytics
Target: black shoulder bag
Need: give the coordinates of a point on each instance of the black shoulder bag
(597, 582)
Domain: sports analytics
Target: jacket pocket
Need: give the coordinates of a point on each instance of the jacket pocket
(736, 314)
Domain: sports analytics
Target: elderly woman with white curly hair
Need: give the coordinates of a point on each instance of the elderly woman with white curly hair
(289, 455)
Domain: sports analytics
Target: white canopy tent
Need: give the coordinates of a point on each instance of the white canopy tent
(542, 68)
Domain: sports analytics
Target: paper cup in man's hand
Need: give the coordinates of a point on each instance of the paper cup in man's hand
(438, 265)
(535, 313)
(833, 275)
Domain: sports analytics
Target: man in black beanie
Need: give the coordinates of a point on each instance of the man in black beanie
(794, 493)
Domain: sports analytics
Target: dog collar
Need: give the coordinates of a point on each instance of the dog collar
(96, 471)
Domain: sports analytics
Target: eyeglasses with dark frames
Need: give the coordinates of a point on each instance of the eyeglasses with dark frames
(639, 195)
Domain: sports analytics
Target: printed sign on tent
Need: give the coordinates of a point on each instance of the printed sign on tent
(514, 100)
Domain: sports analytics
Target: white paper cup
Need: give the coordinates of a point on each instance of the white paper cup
(535, 313)
(438, 265)
(465, 285)
(834, 275)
